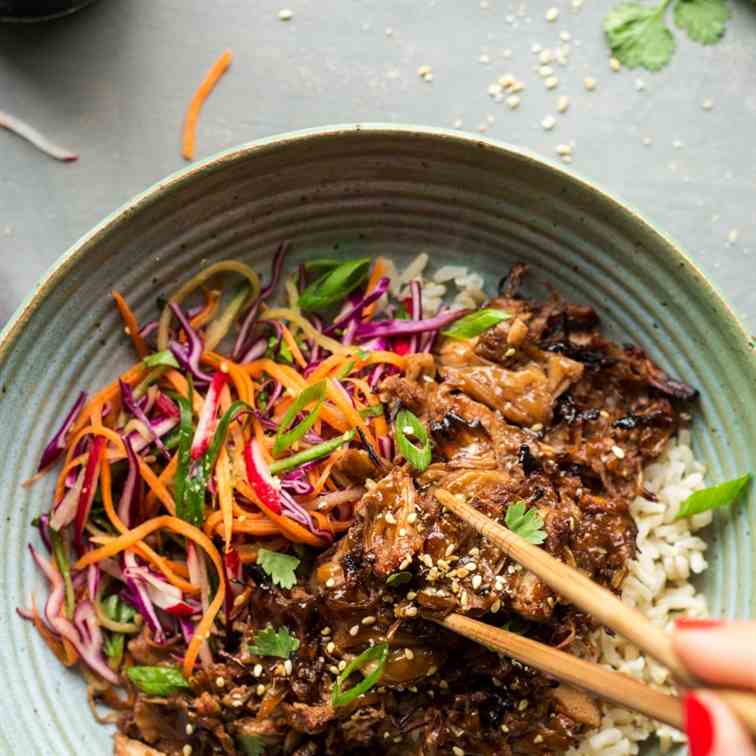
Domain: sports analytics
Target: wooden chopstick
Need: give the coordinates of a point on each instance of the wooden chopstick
(613, 686)
(600, 602)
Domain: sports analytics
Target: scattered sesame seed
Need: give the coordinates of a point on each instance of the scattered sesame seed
(538, 738)
(552, 14)
(326, 631)
(457, 751)
(707, 104)
(563, 103)
(411, 517)
(411, 595)
(257, 670)
(369, 620)
(406, 563)
(614, 64)
(589, 83)
(565, 36)
(538, 427)
(545, 56)
(551, 82)
(618, 452)
(563, 150)
(496, 606)
(187, 750)
(523, 704)
(402, 532)
(450, 549)
(577, 4)
(513, 102)
(285, 14)
(260, 689)
(330, 647)
(476, 582)
(411, 611)
(220, 682)
(354, 630)
(390, 519)
(545, 71)
(409, 654)
(330, 582)
(288, 666)
(458, 123)
(426, 74)
(732, 237)
(189, 729)
(518, 86)
(333, 669)
(484, 58)
(342, 665)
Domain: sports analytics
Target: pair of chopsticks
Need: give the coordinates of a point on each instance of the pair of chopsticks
(607, 609)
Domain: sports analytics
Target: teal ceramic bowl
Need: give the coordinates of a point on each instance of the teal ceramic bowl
(380, 189)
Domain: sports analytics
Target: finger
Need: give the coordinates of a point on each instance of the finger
(712, 728)
(718, 652)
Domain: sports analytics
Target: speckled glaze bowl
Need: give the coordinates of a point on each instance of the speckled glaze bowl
(380, 189)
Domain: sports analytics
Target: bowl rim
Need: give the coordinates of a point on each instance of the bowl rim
(79, 249)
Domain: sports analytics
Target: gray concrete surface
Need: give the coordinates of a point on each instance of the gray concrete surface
(112, 82)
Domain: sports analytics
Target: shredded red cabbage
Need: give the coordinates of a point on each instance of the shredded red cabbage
(367, 331)
(57, 444)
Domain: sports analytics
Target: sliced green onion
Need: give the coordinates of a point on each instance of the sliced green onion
(152, 377)
(475, 323)
(285, 438)
(377, 653)
(61, 559)
(346, 369)
(165, 358)
(398, 578)
(401, 312)
(372, 410)
(185, 431)
(321, 265)
(314, 452)
(334, 285)
(157, 681)
(406, 425)
(713, 497)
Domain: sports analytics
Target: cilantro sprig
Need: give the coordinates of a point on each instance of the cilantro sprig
(280, 567)
(270, 642)
(638, 34)
(526, 523)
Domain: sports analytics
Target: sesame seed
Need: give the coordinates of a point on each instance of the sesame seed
(732, 237)
(510, 352)
(354, 630)
(457, 751)
(330, 647)
(563, 103)
(342, 665)
(330, 582)
(538, 738)
(565, 36)
(552, 14)
(707, 104)
(369, 620)
(589, 83)
(402, 532)
(538, 427)
(548, 124)
(523, 705)
(285, 14)
(544, 71)
(426, 74)
(190, 729)
(563, 150)
(551, 82)
(476, 582)
(411, 517)
(333, 669)
(411, 595)
(614, 64)
(443, 684)
(484, 58)
(545, 56)
(411, 611)
(187, 750)
(326, 631)
(257, 670)
(390, 519)
(409, 654)
(406, 563)
(518, 86)
(496, 606)
(513, 102)
(618, 452)
(220, 682)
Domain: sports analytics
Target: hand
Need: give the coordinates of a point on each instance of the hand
(723, 653)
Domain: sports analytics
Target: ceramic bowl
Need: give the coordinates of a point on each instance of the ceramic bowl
(378, 189)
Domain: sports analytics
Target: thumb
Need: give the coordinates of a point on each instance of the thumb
(712, 728)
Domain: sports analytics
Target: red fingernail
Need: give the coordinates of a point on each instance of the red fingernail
(696, 623)
(699, 725)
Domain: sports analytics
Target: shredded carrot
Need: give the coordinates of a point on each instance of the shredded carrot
(212, 298)
(291, 342)
(241, 381)
(182, 387)
(336, 395)
(378, 271)
(225, 494)
(126, 540)
(165, 477)
(144, 550)
(190, 122)
(318, 487)
(131, 324)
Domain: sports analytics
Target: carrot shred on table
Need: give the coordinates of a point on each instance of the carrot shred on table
(131, 324)
(192, 113)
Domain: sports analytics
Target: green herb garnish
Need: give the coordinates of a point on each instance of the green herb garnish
(638, 34)
(398, 578)
(372, 410)
(475, 323)
(164, 358)
(377, 653)
(526, 523)
(307, 455)
(269, 642)
(280, 567)
(61, 560)
(157, 681)
(713, 497)
(407, 425)
(334, 285)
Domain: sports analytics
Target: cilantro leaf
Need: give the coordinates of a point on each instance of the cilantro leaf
(638, 35)
(398, 578)
(528, 524)
(705, 21)
(251, 745)
(713, 497)
(269, 642)
(280, 567)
